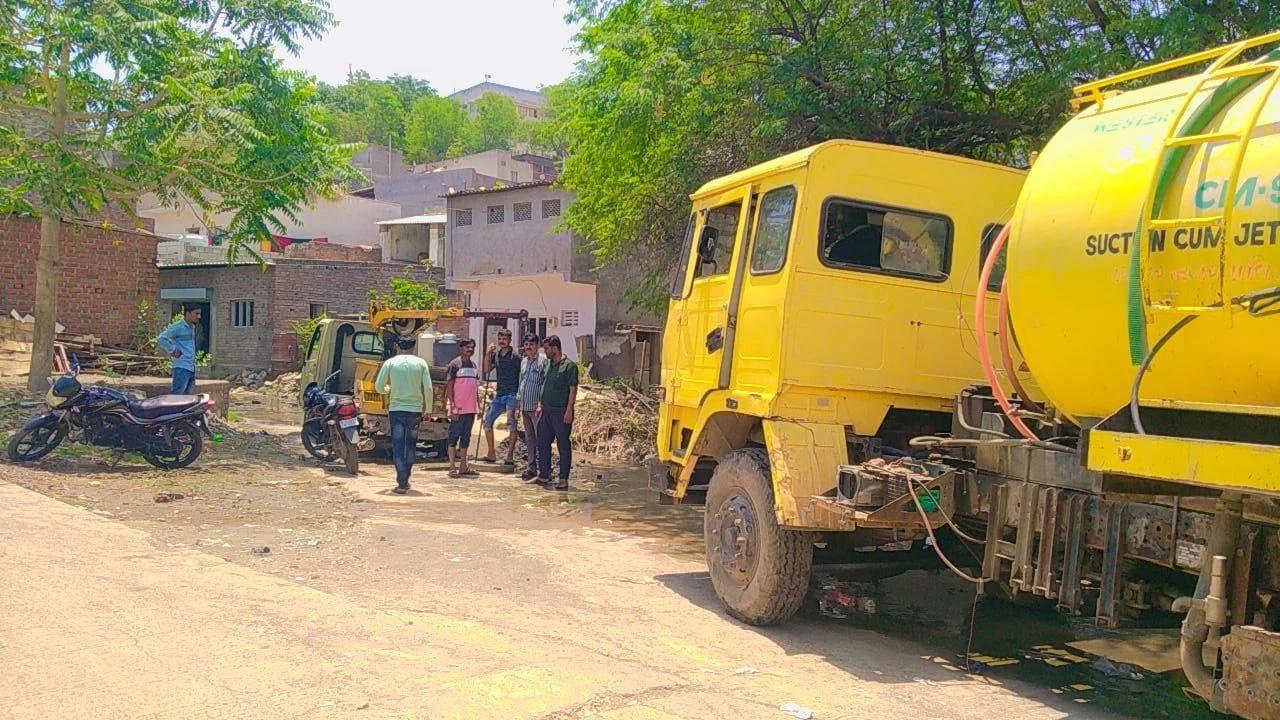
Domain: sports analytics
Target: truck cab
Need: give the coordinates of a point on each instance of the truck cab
(818, 318)
(355, 349)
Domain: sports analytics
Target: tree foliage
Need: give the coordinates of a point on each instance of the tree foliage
(166, 97)
(675, 92)
(101, 102)
(493, 127)
(405, 112)
(434, 124)
(408, 294)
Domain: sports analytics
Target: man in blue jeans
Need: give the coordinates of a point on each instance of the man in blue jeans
(407, 379)
(505, 363)
(179, 341)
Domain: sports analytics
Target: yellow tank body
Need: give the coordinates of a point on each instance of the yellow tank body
(1074, 230)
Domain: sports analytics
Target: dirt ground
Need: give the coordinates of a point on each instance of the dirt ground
(277, 587)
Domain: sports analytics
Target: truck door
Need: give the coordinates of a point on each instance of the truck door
(318, 359)
(702, 321)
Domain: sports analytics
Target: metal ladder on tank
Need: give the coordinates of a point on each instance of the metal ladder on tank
(1219, 70)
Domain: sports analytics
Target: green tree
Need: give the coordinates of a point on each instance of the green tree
(409, 294)
(409, 88)
(675, 92)
(433, 124)
(100, 103)
(364, 110)
(374, 110)
(495, 124)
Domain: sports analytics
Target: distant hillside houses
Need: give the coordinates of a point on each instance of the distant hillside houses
(530, 104)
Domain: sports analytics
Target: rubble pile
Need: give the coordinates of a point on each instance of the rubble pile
(252, 379)
(285, 385)
(615, 422)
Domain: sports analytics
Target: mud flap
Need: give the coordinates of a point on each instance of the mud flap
(352, 435)
(805, 459)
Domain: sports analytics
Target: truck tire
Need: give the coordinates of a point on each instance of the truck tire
(760, 571)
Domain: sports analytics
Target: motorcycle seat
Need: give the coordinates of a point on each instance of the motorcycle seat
(162, 405)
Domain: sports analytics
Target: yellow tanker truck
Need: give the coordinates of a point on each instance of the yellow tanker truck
(1112, 437)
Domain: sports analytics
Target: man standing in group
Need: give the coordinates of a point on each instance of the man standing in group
(179, 341)
(504, 360)
(460, 392)
(555, 414)
(407, 379)
(532, 368)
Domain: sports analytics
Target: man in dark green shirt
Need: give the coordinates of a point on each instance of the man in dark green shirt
(555, 414)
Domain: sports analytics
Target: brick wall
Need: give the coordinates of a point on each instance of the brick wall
(284, 292)
(343, 287)
(233, 349)
(334, 251)
(105, 274)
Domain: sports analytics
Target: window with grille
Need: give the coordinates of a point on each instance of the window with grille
(569, 318)
(522, 211)
(497, 214)
(241, 313)
(317, 310)
(462, 218)
(550, 208)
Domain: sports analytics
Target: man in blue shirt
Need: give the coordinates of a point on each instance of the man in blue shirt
(179, 341)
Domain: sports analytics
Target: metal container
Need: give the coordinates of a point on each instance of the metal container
(1082, 321)
(444, 349)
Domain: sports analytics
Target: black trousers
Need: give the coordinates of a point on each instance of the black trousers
(553, 427)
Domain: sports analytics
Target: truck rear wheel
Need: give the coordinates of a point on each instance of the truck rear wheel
(760, 571)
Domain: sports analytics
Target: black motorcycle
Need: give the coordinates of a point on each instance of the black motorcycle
(165, 430)
(331, 426)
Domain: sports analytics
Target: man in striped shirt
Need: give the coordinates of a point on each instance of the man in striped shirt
(533, 368)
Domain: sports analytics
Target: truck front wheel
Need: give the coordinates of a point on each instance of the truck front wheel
(760, 571)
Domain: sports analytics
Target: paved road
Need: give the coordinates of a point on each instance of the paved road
(467, 601)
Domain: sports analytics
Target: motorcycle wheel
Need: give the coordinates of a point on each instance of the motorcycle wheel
(31, 444)
(313, 441)
(351, 457)
(187, 445)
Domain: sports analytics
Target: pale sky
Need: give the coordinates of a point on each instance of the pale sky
(452, 44)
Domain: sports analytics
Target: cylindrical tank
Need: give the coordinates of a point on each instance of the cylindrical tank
(444, 349)
(1072, 235)
(426, 344)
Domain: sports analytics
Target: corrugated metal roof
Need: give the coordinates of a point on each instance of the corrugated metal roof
(418, 220)
(504, 188)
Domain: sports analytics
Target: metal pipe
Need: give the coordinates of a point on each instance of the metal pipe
(1207, 609)
(964, 422)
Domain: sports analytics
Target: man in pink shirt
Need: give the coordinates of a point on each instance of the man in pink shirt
(460, 395)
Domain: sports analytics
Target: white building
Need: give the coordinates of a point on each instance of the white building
(506, 166)
(419, 238)
(530, 104)
(344, 220)
(505, 251)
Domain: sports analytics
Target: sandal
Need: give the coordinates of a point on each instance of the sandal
(489, 459)
(453, 473)
(469, 473)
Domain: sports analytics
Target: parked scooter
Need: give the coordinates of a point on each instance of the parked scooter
(165, 430)
(331, 425)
